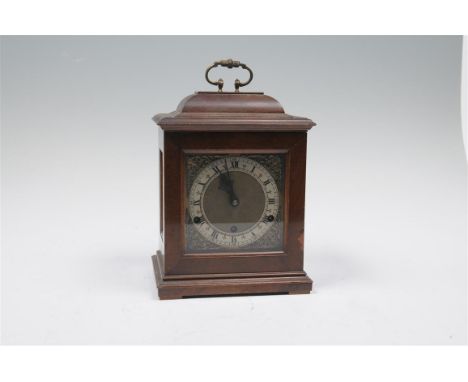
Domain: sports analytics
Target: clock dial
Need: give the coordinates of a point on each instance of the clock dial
(233, 201)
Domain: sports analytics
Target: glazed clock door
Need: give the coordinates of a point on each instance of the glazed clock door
(236, 202)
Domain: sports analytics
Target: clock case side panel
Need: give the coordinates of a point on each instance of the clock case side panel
(179, 265)
(160, 189)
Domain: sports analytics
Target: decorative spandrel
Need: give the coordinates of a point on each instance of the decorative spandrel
(234, 202)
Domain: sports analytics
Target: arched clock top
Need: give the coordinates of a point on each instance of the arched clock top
(231, 111)
(214, 102)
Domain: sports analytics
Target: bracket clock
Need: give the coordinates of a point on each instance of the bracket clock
(232, 188)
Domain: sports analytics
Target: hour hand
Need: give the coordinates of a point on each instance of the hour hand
(225, 184)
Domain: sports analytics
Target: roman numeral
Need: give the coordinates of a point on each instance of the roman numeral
(202, 184)
(266, 182)
(253, 168)
(265, 219)
(234, 163)
(214, 235)
(216, 170)
(202, 220)
(196, 202)
(233, 240)
(271, 201)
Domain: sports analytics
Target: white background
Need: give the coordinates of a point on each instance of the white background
(385, 195)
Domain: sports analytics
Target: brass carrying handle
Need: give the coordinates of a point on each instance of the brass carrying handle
(229, 64)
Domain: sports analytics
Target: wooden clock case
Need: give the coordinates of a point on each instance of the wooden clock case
(227, 123)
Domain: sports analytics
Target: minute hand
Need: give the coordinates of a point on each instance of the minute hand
(226, 184)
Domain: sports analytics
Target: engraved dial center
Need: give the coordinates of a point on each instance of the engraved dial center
(243, 212)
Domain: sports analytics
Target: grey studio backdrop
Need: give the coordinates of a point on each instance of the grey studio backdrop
(385, 205)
